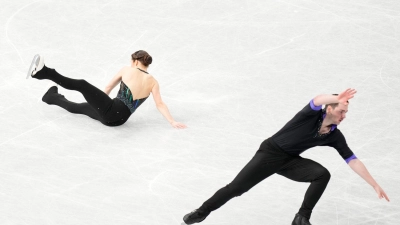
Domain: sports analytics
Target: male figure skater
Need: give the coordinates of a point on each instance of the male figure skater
(279, 154)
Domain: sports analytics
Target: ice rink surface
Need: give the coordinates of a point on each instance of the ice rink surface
(234, 71)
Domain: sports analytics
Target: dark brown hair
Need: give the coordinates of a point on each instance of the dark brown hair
(143, 57)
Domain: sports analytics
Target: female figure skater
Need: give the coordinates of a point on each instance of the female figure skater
(279, 154)
(135, 87)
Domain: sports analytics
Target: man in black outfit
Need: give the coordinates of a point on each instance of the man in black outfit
(279, 154)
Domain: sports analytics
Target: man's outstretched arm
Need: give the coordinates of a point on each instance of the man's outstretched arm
(357, 166)
(329, 99)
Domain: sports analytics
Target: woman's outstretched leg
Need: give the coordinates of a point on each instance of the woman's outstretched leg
(52, 97)
(99, 100)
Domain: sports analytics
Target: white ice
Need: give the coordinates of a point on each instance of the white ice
(234, 71)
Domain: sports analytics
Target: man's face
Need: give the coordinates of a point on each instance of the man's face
(339, 113)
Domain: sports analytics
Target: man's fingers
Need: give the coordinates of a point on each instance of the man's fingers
(382, 194)
(351, 91)
(386, 197)
(349, 94)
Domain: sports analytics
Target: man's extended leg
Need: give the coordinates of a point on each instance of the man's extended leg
(306, 170)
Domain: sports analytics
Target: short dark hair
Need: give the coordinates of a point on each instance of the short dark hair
(143, 57)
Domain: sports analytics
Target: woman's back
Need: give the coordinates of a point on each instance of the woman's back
(138, 81)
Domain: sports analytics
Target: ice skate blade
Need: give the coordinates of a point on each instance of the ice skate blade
(33, 66)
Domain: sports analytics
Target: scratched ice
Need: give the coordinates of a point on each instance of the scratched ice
(234, 71)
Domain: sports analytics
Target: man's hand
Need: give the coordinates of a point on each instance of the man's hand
(346, 95)
(381, 193)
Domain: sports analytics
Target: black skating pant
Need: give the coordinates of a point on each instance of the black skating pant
(270, 159)
(99, 106)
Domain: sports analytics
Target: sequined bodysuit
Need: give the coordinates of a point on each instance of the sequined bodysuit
(125, 95)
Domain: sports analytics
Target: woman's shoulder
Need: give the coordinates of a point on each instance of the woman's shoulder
(149, 76)
(152, 80)
(124, 70)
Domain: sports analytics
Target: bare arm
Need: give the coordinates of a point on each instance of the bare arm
(329, 99)
(162, 107)
(357, 166)
(113, 82)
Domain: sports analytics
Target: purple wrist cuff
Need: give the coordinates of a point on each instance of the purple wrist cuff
(350, 158)
(315, 108)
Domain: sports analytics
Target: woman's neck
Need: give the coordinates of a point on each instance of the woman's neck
(141, 68)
